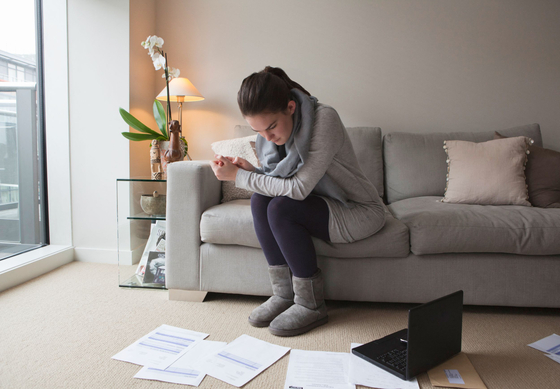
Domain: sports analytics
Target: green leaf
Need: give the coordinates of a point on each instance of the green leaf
(137, 124)
(186, 145)
(138, 137)
(161, 120)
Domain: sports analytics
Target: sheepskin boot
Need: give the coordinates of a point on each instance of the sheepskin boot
(282, 299)
(309, 310)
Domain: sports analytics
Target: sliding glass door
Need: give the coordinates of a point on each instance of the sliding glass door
(23, 207)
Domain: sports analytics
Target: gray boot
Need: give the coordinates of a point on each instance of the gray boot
(309, 310)
(282, 299)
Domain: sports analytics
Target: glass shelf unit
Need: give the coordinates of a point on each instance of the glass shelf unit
(134, 227)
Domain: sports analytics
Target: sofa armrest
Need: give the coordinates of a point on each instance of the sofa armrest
(192, 188)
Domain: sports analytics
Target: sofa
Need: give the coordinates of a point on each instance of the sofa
(505, 255)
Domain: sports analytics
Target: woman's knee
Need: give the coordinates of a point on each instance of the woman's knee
(259, 204)
(258, 201)
(281, 209)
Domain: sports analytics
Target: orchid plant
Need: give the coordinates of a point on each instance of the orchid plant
(159, 58)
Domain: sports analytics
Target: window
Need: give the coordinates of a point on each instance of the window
(12, 75)
(23, 216)
(3, 71)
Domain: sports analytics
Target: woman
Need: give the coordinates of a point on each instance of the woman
(309, 185)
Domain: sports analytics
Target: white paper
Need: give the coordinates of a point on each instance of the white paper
(243, 359)
(554, 357)
(550, 344)
(362, 372)
(161, 347)
(188, 369)
(453, 376)
(318, 369)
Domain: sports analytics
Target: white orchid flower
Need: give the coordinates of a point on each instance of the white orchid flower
(155, 55)
(159, 61)
(146, 43)
(155, 41)
(173, 73)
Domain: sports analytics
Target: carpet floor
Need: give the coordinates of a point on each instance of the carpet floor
(60, 330)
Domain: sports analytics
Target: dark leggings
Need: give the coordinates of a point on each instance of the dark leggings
(284, 228)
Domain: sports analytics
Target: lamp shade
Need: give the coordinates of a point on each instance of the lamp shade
(180, 89)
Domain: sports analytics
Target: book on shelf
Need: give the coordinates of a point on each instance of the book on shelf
(156, 242)
(155, 268)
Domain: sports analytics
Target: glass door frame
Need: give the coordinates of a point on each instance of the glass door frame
(31, 147)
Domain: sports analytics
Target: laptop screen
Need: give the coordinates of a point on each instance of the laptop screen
(434, 332)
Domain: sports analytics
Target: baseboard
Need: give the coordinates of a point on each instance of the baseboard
(33, 264)
(127, 257)
(96, 255)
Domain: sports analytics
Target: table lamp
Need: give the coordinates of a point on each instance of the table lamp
(180, 90)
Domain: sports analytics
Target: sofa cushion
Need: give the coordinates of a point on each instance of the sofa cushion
(367, 144)
(542, 181)
(491, 172)
(232, 223)
(437, 227)
(415, 163)
(243, 147)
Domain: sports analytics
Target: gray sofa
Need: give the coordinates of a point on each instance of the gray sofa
(498, 255)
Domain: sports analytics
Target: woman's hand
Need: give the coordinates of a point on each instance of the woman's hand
(224, 169)
(242, 163)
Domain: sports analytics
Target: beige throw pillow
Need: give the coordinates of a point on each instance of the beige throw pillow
(487, 173)
(238, 147)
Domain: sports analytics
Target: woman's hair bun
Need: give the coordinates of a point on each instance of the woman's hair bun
(266, 91)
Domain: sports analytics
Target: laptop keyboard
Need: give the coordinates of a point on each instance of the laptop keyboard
(394, 358)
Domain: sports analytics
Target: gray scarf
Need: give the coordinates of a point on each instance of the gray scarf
(297, 149)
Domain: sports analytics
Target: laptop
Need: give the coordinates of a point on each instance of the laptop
(433, 336)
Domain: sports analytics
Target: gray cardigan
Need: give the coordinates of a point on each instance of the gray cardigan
(331, 152)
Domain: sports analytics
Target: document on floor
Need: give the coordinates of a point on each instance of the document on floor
(457, 372)
(318, 369)
(362, 372)
(161, 347)
(243, 359)
(186, 370)
(554, 357)
(550, 344)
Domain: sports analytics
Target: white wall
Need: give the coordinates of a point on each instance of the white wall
(142, 81)
(98, 41)
(415, 66)
(57, 125)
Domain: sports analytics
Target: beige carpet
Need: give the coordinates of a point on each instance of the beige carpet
(61, 329)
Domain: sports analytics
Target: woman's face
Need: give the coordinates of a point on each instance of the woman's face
(274, 127)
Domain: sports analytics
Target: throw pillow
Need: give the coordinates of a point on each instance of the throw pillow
(543, 176)
(238, 147)
(490, 172)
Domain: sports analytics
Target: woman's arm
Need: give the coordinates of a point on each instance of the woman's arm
(326, 140)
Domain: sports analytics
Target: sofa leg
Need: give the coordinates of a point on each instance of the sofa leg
(195, 296)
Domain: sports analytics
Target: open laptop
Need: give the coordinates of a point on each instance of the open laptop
(433, 336)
